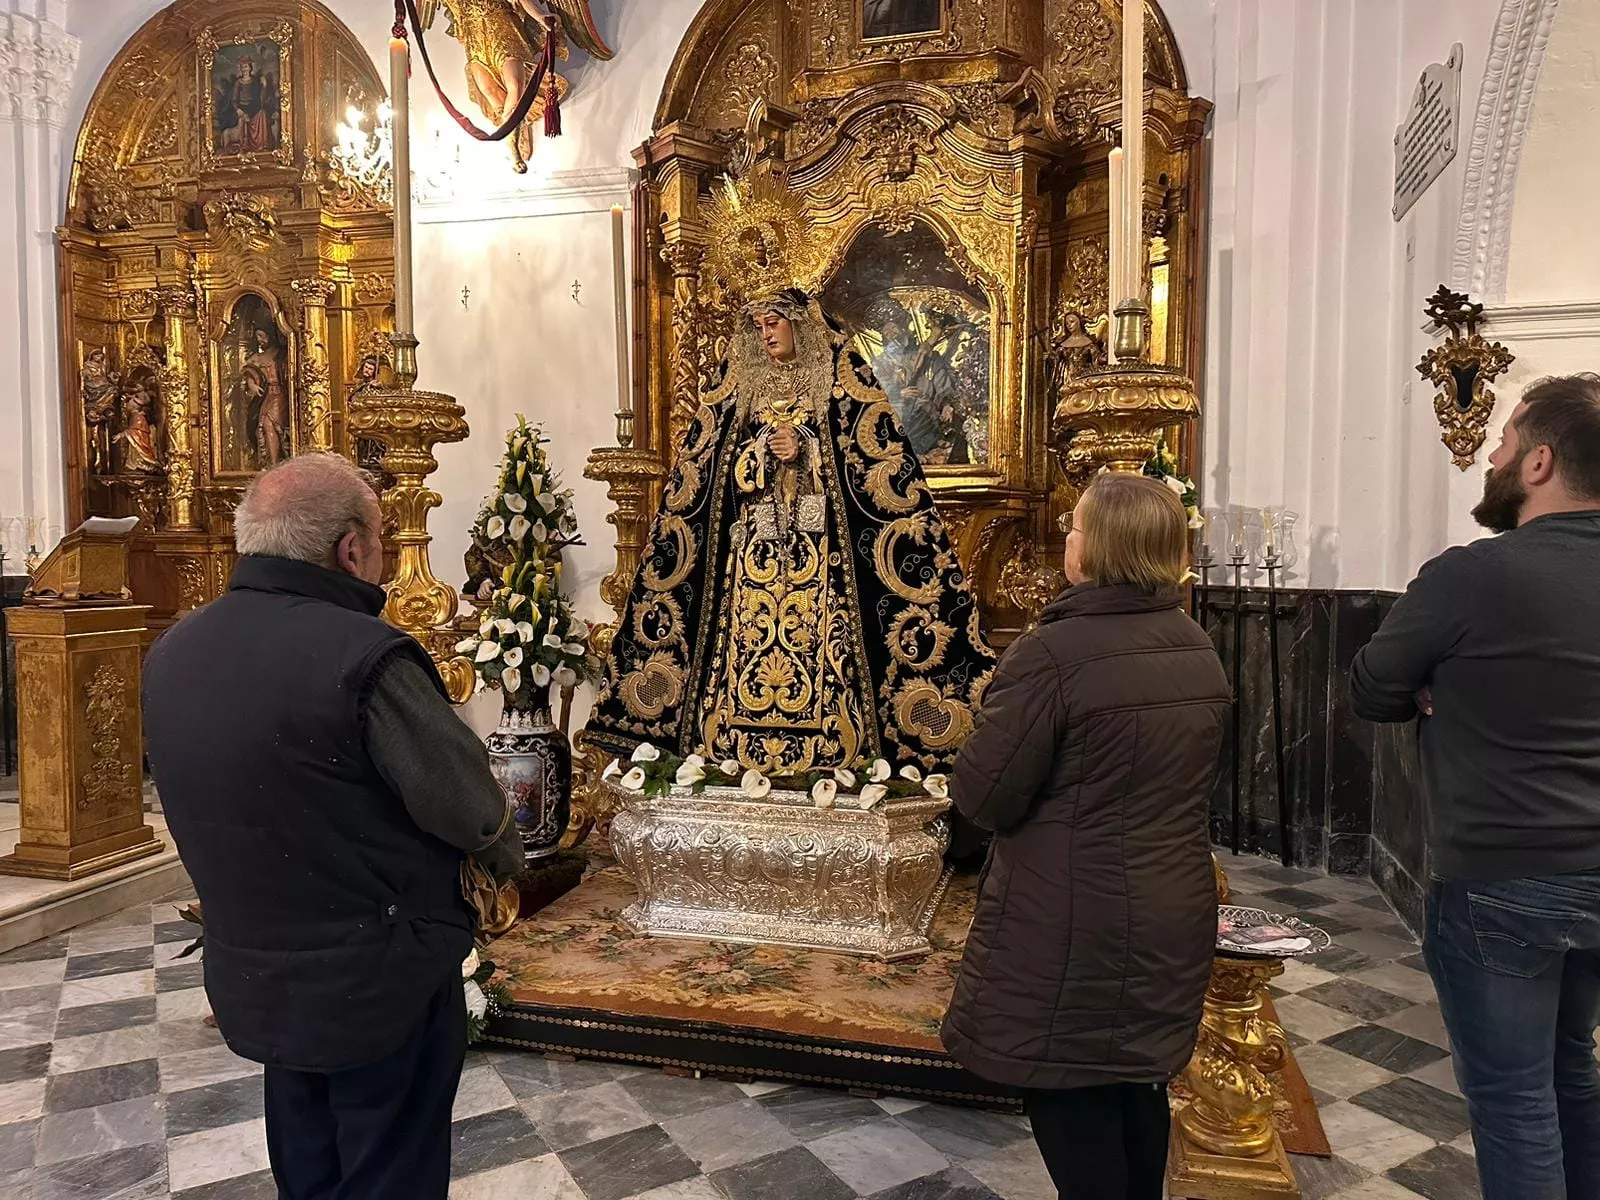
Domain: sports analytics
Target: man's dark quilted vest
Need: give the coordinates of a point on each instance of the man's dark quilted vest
(330, 917)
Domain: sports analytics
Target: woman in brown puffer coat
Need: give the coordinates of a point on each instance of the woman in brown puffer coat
(1093, 756)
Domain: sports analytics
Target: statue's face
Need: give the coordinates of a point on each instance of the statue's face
(777, 335)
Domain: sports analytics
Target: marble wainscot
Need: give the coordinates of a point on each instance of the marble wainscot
(1353, 796)
(781, 871)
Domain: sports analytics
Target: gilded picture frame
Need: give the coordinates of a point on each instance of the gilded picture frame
(879, 21)
(254, 370)
(245, 80)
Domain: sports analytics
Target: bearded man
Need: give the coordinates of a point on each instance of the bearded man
(799, 606)
(1497, 646)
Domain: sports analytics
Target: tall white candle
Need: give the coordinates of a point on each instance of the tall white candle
(400, 103)
(1117, 240)
(620, 286)
(1133, 146)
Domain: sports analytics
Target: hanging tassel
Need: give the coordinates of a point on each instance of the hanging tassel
(552, 106)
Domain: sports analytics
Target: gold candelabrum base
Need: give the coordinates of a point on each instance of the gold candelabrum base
(1224, 1144)
(409, 424)
(1113, 417)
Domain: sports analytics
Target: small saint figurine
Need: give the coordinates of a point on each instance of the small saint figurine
(137, 438)
(98, 384)
(798, 606)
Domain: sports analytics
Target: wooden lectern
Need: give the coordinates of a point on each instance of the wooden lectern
(79, 728)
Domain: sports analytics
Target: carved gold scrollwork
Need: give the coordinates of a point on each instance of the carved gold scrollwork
(108, 780)
(316, 402)
(1463, 365)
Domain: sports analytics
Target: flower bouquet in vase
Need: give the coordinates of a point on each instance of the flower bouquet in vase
(529, 638)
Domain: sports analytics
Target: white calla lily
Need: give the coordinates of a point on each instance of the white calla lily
(545, 501)
(689, 774)
(519, 527)
(1177, 485)
(937, 786)
(514, 502)
(469, 965)
(576, 649)
(495, 527)
(553, 640)
(845, 776)
(755, 785)
(911, 773)
(514, 602)
(467, 645)
(512, 657)
(634, 780)
(525, 632)
(871, 795)
(505, 625)
(881, 770)
(487, 651)
(612, 771)
(477, 1002)
(541, 531)
(564, 677)
(541, 674)
(645, 752)
(511, 679)
(536, 483)
(729, 767)
(823, 792)
(697, 759)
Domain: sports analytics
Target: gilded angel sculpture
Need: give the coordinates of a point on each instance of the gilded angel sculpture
(504, 40)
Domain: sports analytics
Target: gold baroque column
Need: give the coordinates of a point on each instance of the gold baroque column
(315, 389)
(1224, 1144)
(178, 312)
(684, 260)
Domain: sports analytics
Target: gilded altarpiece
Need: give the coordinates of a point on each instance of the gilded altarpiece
(953, 161)
(226, 274)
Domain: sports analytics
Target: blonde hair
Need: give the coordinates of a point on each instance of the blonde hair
(1134, 531)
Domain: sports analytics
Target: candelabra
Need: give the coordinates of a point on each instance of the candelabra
(1240, 538)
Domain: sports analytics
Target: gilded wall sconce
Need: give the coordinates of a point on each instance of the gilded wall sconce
(1463, 366)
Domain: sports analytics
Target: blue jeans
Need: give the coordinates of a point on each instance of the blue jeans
(1517, 967)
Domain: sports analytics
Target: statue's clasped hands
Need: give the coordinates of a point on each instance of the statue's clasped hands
(785, 443)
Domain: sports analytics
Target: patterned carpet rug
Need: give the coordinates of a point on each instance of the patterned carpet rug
(583, 983)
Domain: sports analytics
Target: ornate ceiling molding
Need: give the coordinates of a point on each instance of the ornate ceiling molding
(1499, 128)
(37, 62)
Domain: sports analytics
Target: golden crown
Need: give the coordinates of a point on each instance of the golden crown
(761, 240)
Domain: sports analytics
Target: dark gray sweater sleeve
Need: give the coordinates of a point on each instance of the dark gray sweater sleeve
(440, 769)
(1425, 625)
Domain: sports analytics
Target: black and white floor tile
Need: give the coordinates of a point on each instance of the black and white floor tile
(112, 1085)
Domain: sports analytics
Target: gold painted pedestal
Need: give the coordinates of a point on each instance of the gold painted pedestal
(1224, 1145)
(780, 871)
(81, 741)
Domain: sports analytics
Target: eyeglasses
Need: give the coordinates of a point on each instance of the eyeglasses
(1064, 522)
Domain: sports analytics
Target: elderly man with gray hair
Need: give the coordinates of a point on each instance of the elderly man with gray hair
(323, 796)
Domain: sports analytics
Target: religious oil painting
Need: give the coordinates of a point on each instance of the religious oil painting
(251, 375)
(246, 87)
(901, 18)
(925, 329)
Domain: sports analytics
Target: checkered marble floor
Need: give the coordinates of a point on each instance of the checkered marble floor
(111, 1085)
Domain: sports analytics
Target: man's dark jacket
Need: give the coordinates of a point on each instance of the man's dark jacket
(331, 918)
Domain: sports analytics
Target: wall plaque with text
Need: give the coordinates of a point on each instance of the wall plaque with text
(1425, 141)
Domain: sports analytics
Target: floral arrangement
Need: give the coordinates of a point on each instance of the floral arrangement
(654, 772)
(484, 999)
(529, 633)
(1163, 465)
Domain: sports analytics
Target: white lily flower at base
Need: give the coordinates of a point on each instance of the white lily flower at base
(823, 792)
(645, 752)
(881, 770)
(937, 786)
(477, 1002)
(909, 772)
(845, 776)
(696, 759)
(755, 785)
(613, 771)
(467, 646)
(729, 767)
(469, 965)
(634, 780)
(871, 795)
(689, 774)
(486, 651)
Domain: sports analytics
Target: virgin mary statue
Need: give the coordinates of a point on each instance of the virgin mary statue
(798, 605)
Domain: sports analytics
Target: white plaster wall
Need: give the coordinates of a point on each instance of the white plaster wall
(1555, 251)
(1316, 292)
